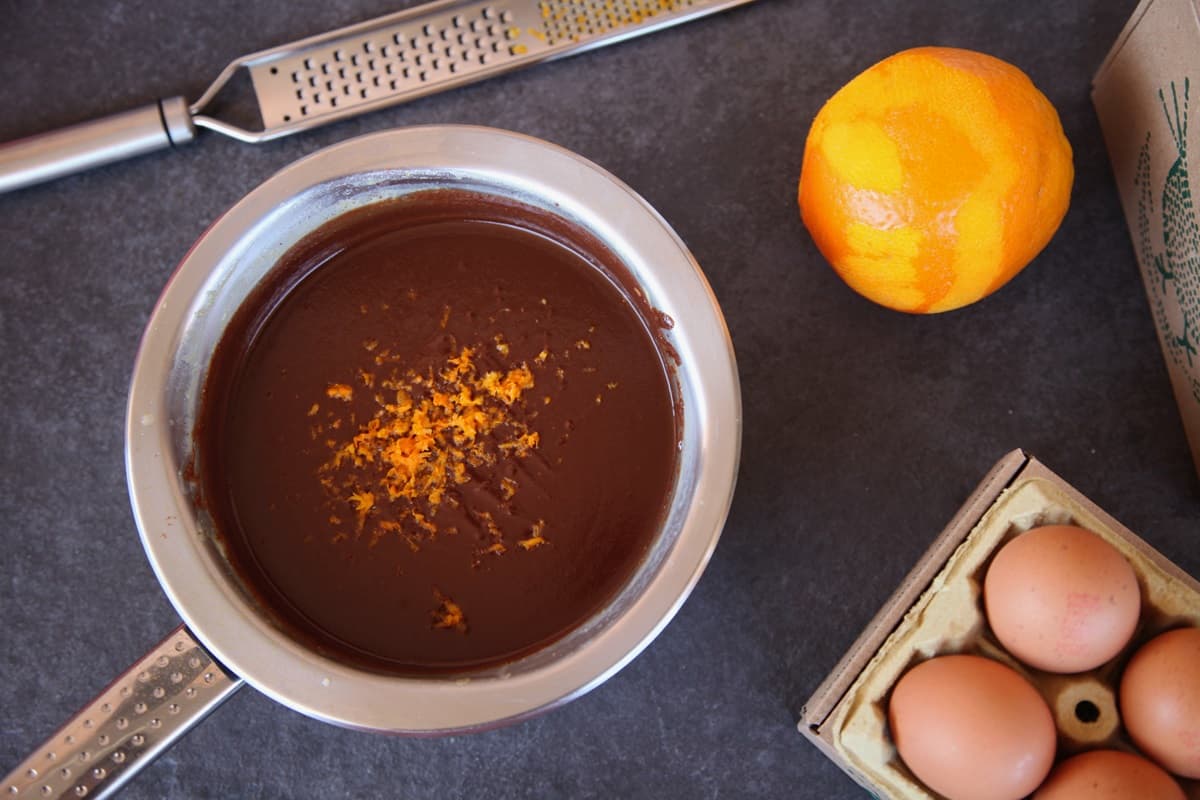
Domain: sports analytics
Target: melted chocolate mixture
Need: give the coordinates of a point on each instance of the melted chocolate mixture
(438, 437)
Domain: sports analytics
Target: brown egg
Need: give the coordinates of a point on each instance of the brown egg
(971, 728)
(1160, 700)
(1109, 775)
(1061, 599)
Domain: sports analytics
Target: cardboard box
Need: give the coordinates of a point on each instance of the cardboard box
(1147, 95)
(938, 610)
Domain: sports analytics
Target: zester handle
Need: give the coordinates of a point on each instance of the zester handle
(142, 713)
(90, 144)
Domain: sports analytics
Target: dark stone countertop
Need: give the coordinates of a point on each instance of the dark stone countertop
(864, 428)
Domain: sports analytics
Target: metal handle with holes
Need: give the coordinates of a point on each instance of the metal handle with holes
(139, 715)
(35, 159)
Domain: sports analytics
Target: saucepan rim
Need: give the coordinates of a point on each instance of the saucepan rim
(170, 366)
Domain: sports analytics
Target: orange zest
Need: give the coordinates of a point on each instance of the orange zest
(425, 436)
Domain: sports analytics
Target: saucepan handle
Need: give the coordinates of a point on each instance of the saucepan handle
(139, 715)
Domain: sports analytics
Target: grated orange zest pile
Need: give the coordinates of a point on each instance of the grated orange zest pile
(425, 439)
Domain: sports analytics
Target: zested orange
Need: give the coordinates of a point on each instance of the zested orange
(934, 177)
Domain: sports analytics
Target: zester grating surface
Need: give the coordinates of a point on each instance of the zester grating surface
(397, 59)
(571, 20)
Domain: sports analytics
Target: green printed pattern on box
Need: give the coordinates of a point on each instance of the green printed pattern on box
(1173, 273)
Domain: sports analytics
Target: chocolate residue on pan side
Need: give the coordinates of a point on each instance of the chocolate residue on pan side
(441, 435)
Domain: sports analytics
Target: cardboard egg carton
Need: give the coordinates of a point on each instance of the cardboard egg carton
(938, 610)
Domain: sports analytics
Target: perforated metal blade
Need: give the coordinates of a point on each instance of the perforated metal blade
(428, 49)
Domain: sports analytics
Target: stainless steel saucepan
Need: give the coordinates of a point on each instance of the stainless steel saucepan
(226, 638)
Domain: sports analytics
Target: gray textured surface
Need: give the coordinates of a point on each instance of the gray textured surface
(864, 429)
